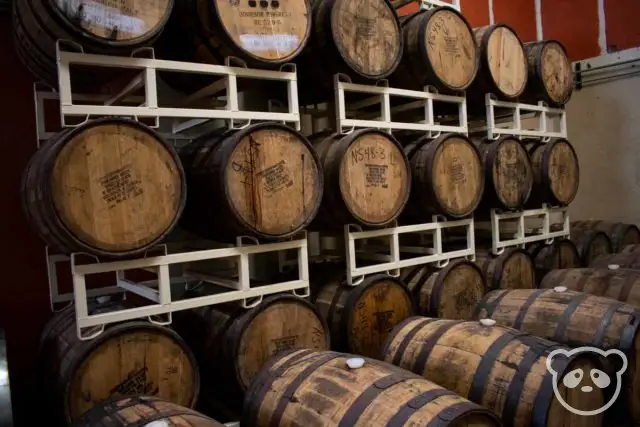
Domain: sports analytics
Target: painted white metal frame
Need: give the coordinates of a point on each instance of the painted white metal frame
(391, 263)
(429, 4)
(383, 93)
(525, 232)
(149, 108)
(513, 125)
(158, 291)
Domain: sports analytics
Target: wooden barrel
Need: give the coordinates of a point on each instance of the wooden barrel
(500, 368)
(630, 249)
(367, 179)
(630, 260)
(556, 172)
(231, 343)
(304, 388)
(513, 269)
(439, 50)
(618, 284)
(101, 26)
(560, 254)
(449, 293)
(264, 180)
(360, 317)
(447, 177)
(111, 187)
(503, 63)
(143, 411)
(550, 73)
(362, 40)
(508, 173)
(129, 358)
(591, 244)
(576, 319)
(620, 234)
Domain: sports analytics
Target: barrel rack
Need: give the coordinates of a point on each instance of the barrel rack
(536, 121)
(177, 124)
(382, 248)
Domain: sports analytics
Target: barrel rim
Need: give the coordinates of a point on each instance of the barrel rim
(101, 41)
(118, 330)
(423, 47)
(251, 315)
(319, 183)
(350, 139)
(493, 147)
(539, 64)
(484, 59)
(546, 180)
(555, 245)
(432, 175)
(48, 195)
(355, 295)
(396, 329)
(344, 56)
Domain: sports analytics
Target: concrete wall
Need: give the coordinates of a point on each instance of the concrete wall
(604, 126)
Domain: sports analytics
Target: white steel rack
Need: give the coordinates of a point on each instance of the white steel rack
(522, 120)
(429, 4)
(130, 103)
(430, 250)
(190, 112)
(537, 121)
(528, 226)
(423, 101)
(158, 291)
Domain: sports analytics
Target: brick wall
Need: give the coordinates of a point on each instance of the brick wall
(587, 28)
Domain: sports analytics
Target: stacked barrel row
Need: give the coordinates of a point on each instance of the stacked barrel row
(366, 42)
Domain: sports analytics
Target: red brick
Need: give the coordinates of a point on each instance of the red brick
(622, 27)
(476, 12)
(519, 15)
(575, 24)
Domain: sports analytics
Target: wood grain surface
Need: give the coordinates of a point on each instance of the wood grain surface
(556, 172)
(141, 410)
(305, 388)
(513, 269)
(591, 244)
(560, 254)
(550, 72)
(448, 293)
(500, 368)
(360, 317)
(576, 319)
(620, 234)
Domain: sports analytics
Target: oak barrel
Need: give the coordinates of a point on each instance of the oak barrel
(264, 180)
(560, 254)
(232, 343)
(449, 293)
(362, 40)
(447, 177)
(512, 269)
(99, 26)
(615, 283)
(111, 187)
(591, 244)
(508, 173)
(129, 358)
(503, 68)
(439, 50)
(502, 369)
(629, 249)
(305, 388)
(621, 234)
(550, 72)
(367, 179)
(143, 411)
(629, 260)
(556, 172)
(576, 319)
(360, 317)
